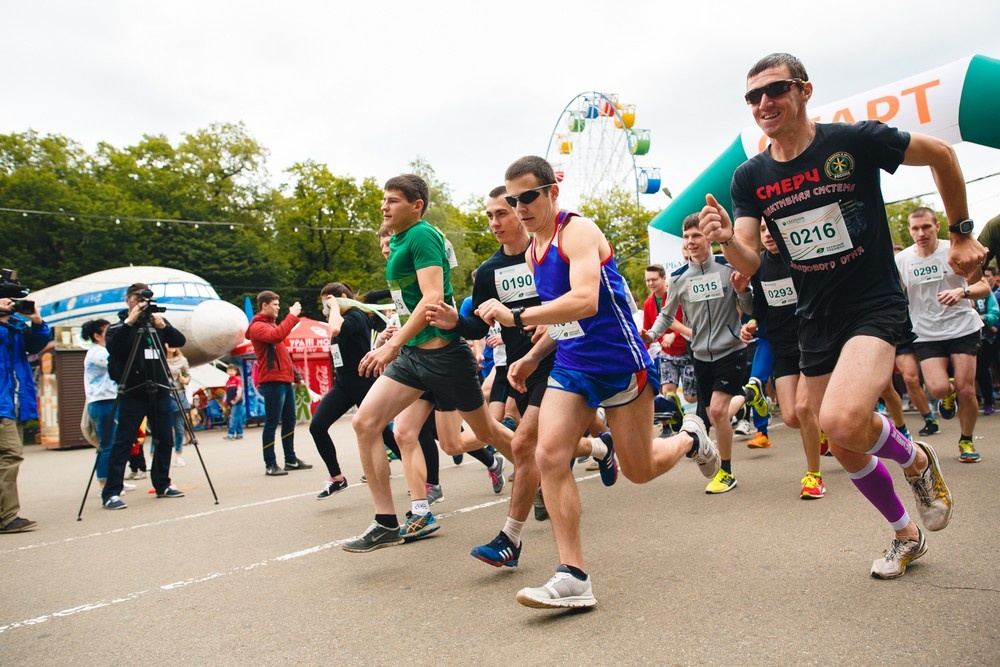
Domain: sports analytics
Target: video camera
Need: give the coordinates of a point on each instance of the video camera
(150, 307)
(11, 288)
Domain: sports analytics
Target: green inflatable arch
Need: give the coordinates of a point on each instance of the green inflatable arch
(957, 102)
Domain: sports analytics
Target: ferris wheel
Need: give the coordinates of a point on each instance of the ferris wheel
(593, 149)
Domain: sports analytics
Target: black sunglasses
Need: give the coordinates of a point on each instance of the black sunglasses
(773, 89)
(527, 196)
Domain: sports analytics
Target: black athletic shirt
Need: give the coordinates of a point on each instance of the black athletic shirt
(508, 279)
(774, 303)
(353, 342)
(825, 211)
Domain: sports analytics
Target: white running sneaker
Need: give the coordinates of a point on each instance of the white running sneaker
(899, 554)
(934, 502)
(743, 427)
(562, 591)
(178, 461)
(707, 456)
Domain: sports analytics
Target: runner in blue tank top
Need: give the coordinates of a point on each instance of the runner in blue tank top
(600, 361)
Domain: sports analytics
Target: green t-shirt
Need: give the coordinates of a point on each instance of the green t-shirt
(419, 247)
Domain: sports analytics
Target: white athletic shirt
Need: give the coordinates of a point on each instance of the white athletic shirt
(923, 278)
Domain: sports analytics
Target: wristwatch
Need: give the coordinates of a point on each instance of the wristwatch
(516, 312)
(961, 227)
(968, 294)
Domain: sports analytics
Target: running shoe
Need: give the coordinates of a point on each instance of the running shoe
(178, 461)
(824, 444)
(417, 526)
(538, 504)
(434, 493)
(592, 464)
(389, 454)
(608, 465)
(899, 554)
(331, 487)
(934, 502)
(496, 473)
(722, 482)
(930, 427)
(707, 456)
(759, 441)
(562, 591)
(501, 552)
(742, 427)
(756, 399)
(989, 410)
(137, 474)
(274, 471)
(948, 406)
(375, 537)
(905, 431)
(510, 423)
(170, 492)
(967, 452)
(812, 487)
(458, 458)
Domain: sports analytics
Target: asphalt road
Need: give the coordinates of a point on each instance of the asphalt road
(752, 577)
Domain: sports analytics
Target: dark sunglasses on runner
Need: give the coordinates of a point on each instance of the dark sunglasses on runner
(527, 196)
(773, 90)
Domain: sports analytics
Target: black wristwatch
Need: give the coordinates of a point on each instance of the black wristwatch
(961, 227)
(516, 312)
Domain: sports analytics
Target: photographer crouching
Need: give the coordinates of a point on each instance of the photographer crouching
(144, 390)
(22, 332)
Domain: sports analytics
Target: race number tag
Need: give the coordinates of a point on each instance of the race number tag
(705, 288)
(930, 270)
(779, 292)
(515, 283)
(449, 250)
(397, 300)
(151, 353)
(565, 331)
(338, 359)
(817, 233)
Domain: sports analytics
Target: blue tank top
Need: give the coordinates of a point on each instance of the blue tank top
(603, 344)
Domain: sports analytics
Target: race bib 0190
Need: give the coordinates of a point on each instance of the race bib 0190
(515, 283)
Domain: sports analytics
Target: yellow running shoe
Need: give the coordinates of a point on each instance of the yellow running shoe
(812, 486)
(967, 452)
(722, 482)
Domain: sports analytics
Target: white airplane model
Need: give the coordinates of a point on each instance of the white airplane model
(212, 326)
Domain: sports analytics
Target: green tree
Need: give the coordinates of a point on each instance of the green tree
(326, 230)
(625, 224)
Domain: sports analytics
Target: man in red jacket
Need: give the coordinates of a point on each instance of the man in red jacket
(670, 351)
(276, 375)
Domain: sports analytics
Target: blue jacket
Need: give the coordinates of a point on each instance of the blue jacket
(19, 338)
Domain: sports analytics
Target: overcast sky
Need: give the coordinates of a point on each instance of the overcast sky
(366, 87)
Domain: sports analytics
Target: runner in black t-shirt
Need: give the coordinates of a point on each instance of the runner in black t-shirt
(817, 187)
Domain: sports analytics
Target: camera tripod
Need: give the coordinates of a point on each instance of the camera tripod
(153, 354)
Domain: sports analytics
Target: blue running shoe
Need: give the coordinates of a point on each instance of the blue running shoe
(417, 526)
(501, 552)
(609, 464)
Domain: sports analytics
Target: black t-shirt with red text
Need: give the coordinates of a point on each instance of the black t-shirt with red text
(826, 213)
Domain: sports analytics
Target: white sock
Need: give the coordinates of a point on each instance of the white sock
(513, 529)
(419, 507)
(597, 448)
